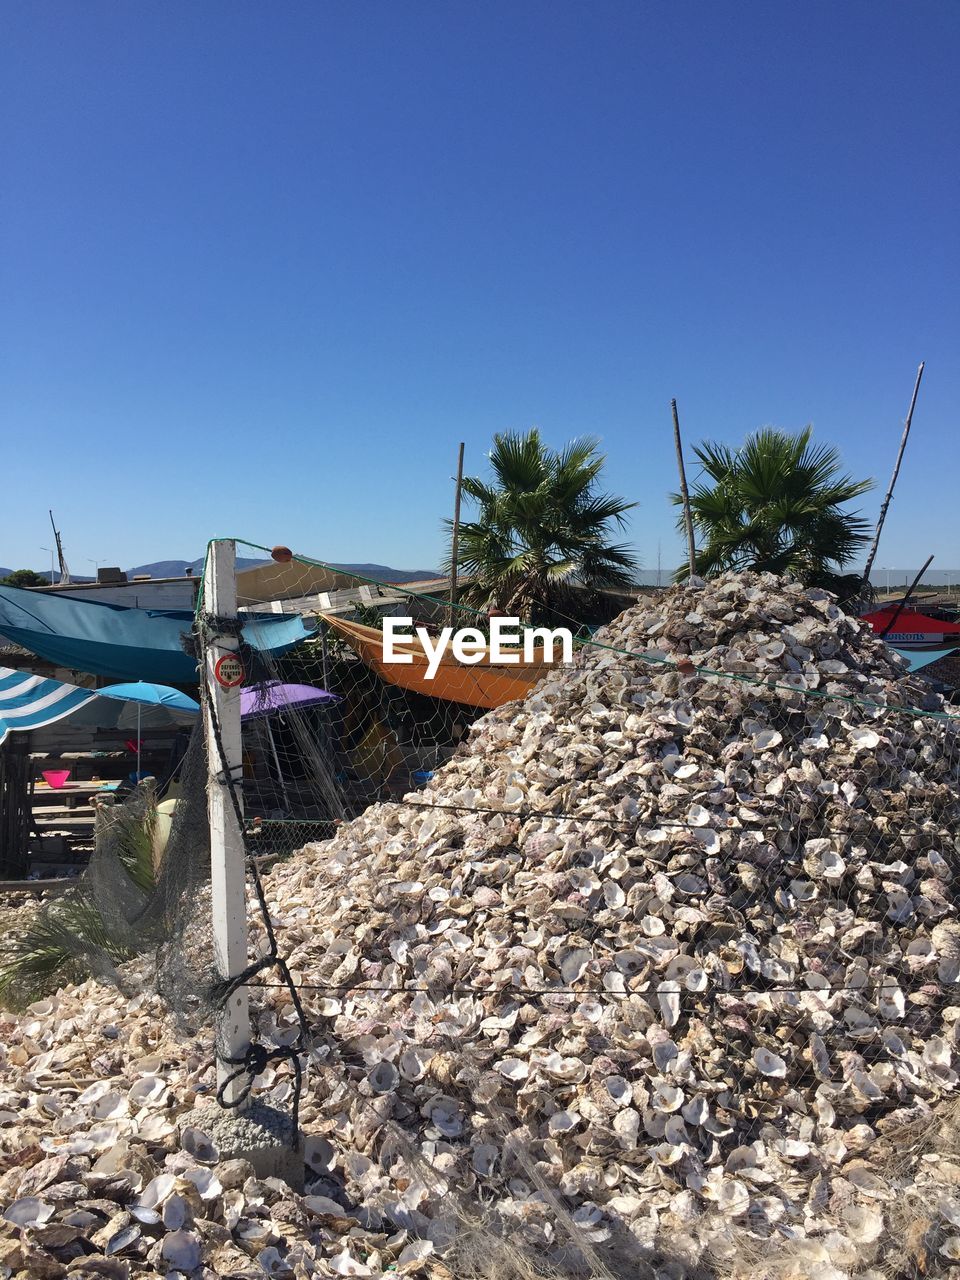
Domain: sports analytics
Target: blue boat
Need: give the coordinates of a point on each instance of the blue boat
(124, 643)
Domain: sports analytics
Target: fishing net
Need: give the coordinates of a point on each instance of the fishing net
(324, 736)
(129, 912)
(370, 733)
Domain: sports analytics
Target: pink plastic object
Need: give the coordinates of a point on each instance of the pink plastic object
(56, 777)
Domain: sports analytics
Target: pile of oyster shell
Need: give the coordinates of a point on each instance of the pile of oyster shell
(660, 976)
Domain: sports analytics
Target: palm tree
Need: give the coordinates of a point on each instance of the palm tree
(541, 528)
(775, 505)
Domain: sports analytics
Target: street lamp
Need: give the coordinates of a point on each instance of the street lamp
(53, 560)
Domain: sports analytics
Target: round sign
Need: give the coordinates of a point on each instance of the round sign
(228, 671)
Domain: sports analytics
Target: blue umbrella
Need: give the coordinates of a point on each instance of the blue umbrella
(144, 694)
(150, 695)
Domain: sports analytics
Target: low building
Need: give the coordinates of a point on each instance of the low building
(139, 592)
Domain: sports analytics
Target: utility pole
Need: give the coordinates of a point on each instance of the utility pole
(455, 540)
(896, 471)
(687, 517)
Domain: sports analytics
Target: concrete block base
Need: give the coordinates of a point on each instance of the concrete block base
(261, 1134)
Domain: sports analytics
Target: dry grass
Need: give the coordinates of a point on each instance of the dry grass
(909, 1248)
(483, 1253)
(906, 1250)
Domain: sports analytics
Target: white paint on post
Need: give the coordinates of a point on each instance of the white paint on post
(227, 866)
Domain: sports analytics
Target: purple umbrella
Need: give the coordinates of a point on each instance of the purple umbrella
(272, 696)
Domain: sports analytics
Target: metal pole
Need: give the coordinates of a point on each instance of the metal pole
(455, 541)
(907, 594)
(324, 657)
(227, 869)
(276, 761)
(896, 471)
(687, 517)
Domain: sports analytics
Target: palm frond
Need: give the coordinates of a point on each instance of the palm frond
(775, 504)
(541, 524)
(69, 939)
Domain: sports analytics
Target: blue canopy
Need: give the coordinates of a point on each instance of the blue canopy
(917, 659)
(30, 702)
(123, 643)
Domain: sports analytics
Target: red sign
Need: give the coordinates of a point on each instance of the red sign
(228, 671)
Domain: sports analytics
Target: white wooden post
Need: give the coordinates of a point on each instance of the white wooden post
(227, 866)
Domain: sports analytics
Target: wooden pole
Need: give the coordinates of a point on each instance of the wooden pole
(227, 868)
(455, 541)
(687, 517)
(896, 471)
(15, 807)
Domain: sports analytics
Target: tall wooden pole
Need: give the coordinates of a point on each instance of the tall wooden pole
(896, 471)
(687, 517)
(455, 541)
(228, 880)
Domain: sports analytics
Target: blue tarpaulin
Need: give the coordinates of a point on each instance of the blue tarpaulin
(120, 642)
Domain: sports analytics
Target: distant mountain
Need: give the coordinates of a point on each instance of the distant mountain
(380, 572)
(383, 572)
(177, 568)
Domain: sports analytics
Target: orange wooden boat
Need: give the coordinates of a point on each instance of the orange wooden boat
(486, 684)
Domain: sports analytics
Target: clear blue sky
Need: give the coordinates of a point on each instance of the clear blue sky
(264, 265)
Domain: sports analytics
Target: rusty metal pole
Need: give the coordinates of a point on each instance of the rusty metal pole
(455, 541)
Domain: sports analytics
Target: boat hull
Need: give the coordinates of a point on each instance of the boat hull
(484, 684)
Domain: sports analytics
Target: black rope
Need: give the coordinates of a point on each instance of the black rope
(523, 992)
(257, 1057)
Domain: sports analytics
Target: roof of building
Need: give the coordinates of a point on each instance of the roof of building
(919, 623)
(141, 581)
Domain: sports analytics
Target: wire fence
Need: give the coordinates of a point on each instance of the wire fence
(385, 731)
